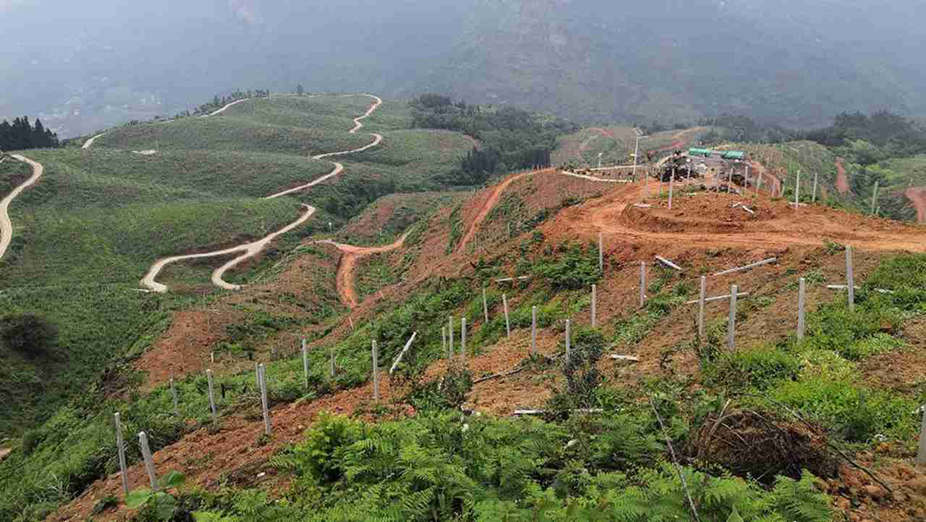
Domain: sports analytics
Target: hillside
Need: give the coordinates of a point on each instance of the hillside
(792, 401)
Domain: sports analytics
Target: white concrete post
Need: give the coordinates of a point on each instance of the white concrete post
(485, 305)
(173, 394)
(797, 191)
(642, 283)
(921, 454)
(701, 296)
(332, 366)
(450, 335)
(801, 297)
(850, 277)
(874, 199)
(813, 198)
(375, 373)
(533, 330)
(671, 186)
(463, 338)
(731, 325)
(149, 462)
(264, 403)
(594, 306)
(305, 365)
(257, 376)
(568, 340)
(120, 448)
(443, 341)
(600, 253)
(507, 322)
(211, 396)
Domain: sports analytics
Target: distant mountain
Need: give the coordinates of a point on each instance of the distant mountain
(81, 67)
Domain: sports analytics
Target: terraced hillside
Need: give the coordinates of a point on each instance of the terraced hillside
(86, 234)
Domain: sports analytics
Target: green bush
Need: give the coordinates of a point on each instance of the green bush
(574, 267)
(28, 334)
(758, 367)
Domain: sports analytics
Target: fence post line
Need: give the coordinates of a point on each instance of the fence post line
(264, 406)
(305, 364)
(120, 447)
(850, 277)
(600, 253)
(149, 462)
(375, 373)
(731, 325)
(173, 394)
(211, 396)
(594, 306)
(701, 296)
(533, 330)
(642, 283)
(507, 322)
(801, 297)
(568, 340)
(485, 305)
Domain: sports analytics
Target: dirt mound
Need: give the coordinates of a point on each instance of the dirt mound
(760, 446)
(678, 220)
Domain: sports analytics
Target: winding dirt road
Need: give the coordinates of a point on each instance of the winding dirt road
(6, 226)
(346, 268)
(251, 249)
(917, 196)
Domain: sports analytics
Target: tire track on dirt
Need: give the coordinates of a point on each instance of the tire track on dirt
(6, 226)
(350, 255)
(253, 248)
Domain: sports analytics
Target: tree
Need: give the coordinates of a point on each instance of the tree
(28, 334)
(300, 90)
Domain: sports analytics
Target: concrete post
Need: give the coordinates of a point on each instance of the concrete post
(701, 297)
(600, 253)
(921, 453)
(257, 376)
(533, 330)
(850, 277)
(671, 186)
(874, 199)
(642, 283)
(813, 198)
(797, 191)
(305, 365)
(120, 448)
(450, 335)
(264, 402)
(463, 338)
(375, 373)
(507, 322)
(149, 462)
(332, 367)
(594, 306)
(173, 394)
(485, 305)
(568, 340)
(443, 341)
(731, 325)
(211, 396)
(801, 297)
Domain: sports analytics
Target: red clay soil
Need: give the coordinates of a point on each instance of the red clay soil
(348, 266)
(917, 196)
(842, 179)
(488, 204)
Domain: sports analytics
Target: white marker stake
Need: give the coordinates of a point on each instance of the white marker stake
(642, 283)
(671, 186)
(443, 341)
(211, 396)
(701, 296)
(533, 330)
(305, 365)
(850, 277)
(485, 305)
(731, 325)
(813, 198)
(568, 341)
(450, 336)
(874, 199)
(921, 454)
(264, 403)
(120, 447)
(463, 339)
(594, 305)
(600, 253)
(149, 462)
(331, 363)
(173, 394)
(801, 293)
(507, 322)
(375, 373)
(797, 191)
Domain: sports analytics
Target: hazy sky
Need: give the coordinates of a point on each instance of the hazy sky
(86, 65)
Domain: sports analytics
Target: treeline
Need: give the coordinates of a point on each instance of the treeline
(743, 129)
(510, 138)
(872, 138)
(21, 135)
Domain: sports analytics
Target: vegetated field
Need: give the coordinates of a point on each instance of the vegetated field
(615, 143)
(387, 218)
(12, 174)
(88, 231)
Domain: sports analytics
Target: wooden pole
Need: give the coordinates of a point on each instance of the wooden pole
(701, 296)
(801, 297)
(120, 448)
(533, 330)
(149, 462)
(850, 277)
(507, 322)
(594, 305)
(375, 373)
(731, 325)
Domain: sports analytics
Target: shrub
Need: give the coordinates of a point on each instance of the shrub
(28, 334)
(575, 267)
(757, 367)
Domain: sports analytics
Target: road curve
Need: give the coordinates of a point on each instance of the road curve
(249, 250)
(350, 255)
(6, 226)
